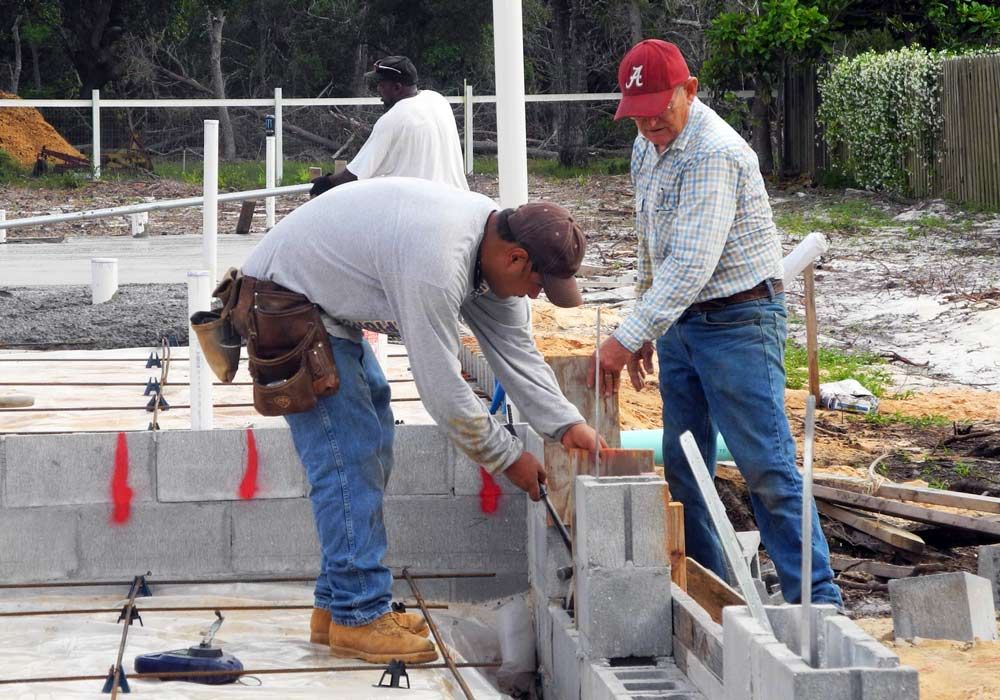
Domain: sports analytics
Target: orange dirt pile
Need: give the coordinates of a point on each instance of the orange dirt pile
(23, 132)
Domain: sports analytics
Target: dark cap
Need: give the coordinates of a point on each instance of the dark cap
(647, 77)
(555, 244)
(398, 69)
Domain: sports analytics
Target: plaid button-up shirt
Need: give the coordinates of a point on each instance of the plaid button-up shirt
(704, 224)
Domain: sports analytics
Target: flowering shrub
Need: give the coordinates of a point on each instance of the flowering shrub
(880, 106)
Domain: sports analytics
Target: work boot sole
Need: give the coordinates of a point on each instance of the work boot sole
(416, 657)
(324, 639)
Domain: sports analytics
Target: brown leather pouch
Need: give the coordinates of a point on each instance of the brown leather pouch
(283, 384)
(219, 341)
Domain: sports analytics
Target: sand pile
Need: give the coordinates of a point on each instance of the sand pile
(23, 132)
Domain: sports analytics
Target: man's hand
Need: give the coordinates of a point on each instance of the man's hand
(582, 437)
(640, 364)
(614, 355)
(320, 185)
(526, 473)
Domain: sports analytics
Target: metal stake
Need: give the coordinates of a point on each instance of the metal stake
(129, 607)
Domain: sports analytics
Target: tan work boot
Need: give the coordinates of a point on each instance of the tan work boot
(319, 625)
(381, 641)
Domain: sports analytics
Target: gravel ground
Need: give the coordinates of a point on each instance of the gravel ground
(36, 318)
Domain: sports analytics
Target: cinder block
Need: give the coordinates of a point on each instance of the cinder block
(989, 568)
(38, 544)
(600, 521)
(421, 462)
(700, 676)
(741, 635)
(543, 636)
(208, 465)
(467, 480)
(178, 539)
(50, 470)
(779, 674)
(847, 645)
(274, 536)
(477, 590)
(547, 553)
(786, 621)
(624, 612)
(954, 605)
(567, 659)
(648, 522)
(887, 684)
(697, 631)
(445, 533)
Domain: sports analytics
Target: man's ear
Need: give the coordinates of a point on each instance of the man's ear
(517, 256)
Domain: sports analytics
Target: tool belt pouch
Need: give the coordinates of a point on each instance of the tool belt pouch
(219, 341)
(290, 357)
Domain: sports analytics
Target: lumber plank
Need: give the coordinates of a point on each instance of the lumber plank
(710, 591)
(890, 534)
(906, 511)
(870, 566)
(246, 217)
(916, 494)
(676, 549)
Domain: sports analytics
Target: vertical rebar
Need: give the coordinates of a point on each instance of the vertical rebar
(126, 623)
(437, 636)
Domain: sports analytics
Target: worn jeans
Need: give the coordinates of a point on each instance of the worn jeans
(345, 445)
(723, 371)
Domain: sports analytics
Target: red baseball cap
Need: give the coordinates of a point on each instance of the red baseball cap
(647, 77)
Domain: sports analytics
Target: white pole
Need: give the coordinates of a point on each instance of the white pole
(199, 299)
(805, 623)
(210, 192)
(278, 145)
(808, 249)
(95, 118)
(103, 279)
(512, 154)
(469, 157)
(269, 177)
(3, 231)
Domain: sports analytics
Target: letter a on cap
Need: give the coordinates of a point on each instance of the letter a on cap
(636, 78)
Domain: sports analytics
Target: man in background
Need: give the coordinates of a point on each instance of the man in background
(416, 137)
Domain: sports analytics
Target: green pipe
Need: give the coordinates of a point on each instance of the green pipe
(653, 440)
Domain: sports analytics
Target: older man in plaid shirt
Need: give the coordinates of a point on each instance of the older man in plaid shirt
(710, 295)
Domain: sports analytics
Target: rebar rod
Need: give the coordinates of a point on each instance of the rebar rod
(437, 637)
(151, 581)
(126, 624)
(167, 675)
(192, 608)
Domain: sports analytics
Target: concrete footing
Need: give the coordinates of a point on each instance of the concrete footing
(187, 519)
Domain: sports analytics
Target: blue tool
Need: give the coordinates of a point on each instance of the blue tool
(203, 657)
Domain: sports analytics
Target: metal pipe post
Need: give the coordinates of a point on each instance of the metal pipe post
(210, 193)
(3, 231)
(512, 153)
(279, 147)
(467, 129)
(269, 180)
(95, 119)
(199, 299)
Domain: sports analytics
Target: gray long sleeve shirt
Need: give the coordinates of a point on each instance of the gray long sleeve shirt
(404, 250)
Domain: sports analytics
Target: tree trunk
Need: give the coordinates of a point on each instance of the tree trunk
(760, 124)
(635, 21)
(215, 22)
(15, 70)
(569, 76)
(36, 74)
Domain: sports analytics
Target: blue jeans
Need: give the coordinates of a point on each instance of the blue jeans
(345, 445)
(723, 371)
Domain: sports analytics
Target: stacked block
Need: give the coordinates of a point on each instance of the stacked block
(955, 605)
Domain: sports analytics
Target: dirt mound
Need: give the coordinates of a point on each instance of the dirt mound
(23, 132)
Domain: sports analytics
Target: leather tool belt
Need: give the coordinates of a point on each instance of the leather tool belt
(291, 360)
(764, 290)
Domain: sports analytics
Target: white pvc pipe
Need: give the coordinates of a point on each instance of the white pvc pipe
(279, 166)
(805, 609)
(512, 146)
(210, 192)
(269, 177)
(153, 206)
(199, 299)
(95, 118)
(468, 131)
(103, 279)
(3, 231)
(810, 248)
(137, 223)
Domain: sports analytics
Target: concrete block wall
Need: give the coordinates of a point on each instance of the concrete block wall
(622, 571)
(758, 665)
(697, 644)
(187, 519)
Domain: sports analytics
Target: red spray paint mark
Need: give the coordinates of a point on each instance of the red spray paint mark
(121, 494)
(248, 487)
(489, 493)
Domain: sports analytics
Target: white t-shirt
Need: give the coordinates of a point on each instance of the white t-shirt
(417, 137)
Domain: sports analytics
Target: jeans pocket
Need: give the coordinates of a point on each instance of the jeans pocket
(736, 315)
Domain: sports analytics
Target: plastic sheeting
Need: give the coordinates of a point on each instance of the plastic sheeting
(88, 645)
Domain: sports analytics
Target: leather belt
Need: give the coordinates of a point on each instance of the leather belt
(764, 290)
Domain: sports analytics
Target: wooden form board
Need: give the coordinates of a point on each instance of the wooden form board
(907, 511)
(890, 534)
(676, 547)
(915, 494)
(710, 591)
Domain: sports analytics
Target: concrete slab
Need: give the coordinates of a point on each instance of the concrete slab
(52, 470)
(989, 568)
(954, 605)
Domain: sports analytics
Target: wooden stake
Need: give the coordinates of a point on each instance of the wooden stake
(246, 217)
(812, 349)
(675, 543)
